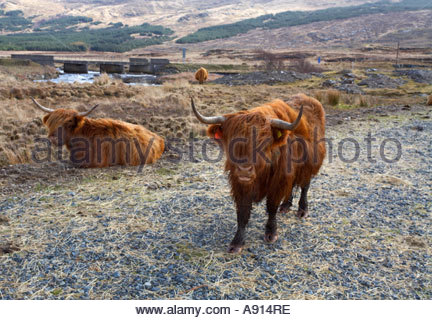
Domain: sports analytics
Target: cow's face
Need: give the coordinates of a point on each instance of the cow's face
(248, 140)
(61, 124)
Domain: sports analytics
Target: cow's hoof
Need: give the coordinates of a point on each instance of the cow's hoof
(235, 249)
(302, 214)
(270, 237)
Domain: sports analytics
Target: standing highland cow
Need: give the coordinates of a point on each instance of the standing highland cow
(269, 150)
(101, 142)
(201, 75)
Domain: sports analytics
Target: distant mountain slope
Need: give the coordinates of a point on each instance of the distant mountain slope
(121, 25)
(183, 16)
(412, 29)
(293, 18)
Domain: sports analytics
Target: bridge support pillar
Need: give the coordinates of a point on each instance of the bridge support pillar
(111, 68)
(75, 67)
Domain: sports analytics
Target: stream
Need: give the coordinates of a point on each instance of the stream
(132, 79)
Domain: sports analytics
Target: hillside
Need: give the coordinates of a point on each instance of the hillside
(412, 29)
(125, 25)
(182, 16)
(295, 18)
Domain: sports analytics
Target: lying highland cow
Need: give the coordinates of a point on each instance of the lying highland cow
(101, 142)
(201, 75)
(269, 150)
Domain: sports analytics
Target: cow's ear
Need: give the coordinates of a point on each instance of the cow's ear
(215, 131)
(45, 118)
(279, 137)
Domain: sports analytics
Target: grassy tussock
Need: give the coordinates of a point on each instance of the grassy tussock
(177, 83)
(102, 80)
(12, 70)
(333, 97)
(22, 156)
(319, 95)
(359, 100)
(364, 101)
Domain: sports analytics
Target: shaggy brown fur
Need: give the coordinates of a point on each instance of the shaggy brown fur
(264, 162)
(102, 142)
(201, 75)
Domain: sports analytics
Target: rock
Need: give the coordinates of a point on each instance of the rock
(381, 81)
(345, 71)
(347, 81)
(350, 75)
(350, 88)
(421, 76)
(329, 83)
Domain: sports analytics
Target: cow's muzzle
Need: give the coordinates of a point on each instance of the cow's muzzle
(245, 173)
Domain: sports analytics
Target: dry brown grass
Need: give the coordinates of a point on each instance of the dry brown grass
(176, 83)
(17, 157)
(102, 80)
(359, 100)
(429, 101)
(164, 109)
(12, 70)
(305, 66)
(364, 101)
(319, 95)
(333, 97)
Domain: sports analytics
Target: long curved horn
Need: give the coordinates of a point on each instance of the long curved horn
(280, 124)
(207, 120)
(86, 113)
(41, 106)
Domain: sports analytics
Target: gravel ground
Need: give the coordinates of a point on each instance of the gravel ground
(259, 77)
(162, 233)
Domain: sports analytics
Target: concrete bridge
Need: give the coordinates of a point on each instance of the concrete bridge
(134, 65)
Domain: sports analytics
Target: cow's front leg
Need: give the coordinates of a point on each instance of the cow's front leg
(271, 227)
(243, 215)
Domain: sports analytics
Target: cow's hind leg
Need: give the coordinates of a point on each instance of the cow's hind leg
(271, 234)
(303, 204)
(286, 205)
(243, 215)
